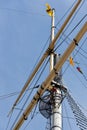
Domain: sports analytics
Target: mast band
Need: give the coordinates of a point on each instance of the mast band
(38, 93)
(75, 41)
(55, 71)
(25, 117)
(55, 126)
(34, 98)
(42, 87)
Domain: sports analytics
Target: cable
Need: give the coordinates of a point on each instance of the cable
(74, 16)
(34, 67)
(39, 56)
(67, 37)
(13, 94)
(30, 121)
(83, 107)
(67, 116)
(37, 79)
(8, 95)
(31, 117)
(22, 11)
(81, 119)
(30, 92)
(28, 97)
(85, 57)
(72, 69)
(65, 14)
(79, 79)
(71, 32)
(72, 19)
(9, 121)
(83, 49)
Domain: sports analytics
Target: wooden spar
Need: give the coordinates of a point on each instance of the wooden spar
(45, 55)
(50, 77)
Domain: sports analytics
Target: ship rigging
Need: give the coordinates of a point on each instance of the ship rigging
(49, 94)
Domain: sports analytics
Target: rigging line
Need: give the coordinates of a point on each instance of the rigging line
(34, 67)
(84, 77)
(82, 107)
(13, 94)
(34, 79)
(41, 53)
(71, 40)
(34, 84)
(63, 34)
(48, 124)
(34, 111)
(74, 16)
(8, 95)
(81, 119)
(31, 117)
(74, 27)
(9, 121)
(74, 57)
(37, 79)
(71, 21)
(75, 75)
(83, 55)
(65, 14)
(77, 51)
(79, 78)
(69, 65)
(64, 40)
(81, 46)
(30, 121)
(67, 116)
(78, 46)
(71, 31)
(18, 108)
(28, 97)
(22, 11)
(39, 56)
(83, 49)
(20, 111)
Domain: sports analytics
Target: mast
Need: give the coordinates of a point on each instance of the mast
(54, 69)
(52, 37)
(45, 55)
(56, 118)
(50, 77)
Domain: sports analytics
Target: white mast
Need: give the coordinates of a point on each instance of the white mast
(56, 118)
(45, 55)
(52, 37)
(49, 78)
(56, 124)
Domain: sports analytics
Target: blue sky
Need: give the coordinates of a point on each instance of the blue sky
(24, 30)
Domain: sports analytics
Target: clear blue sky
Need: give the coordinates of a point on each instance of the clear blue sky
(24, 30)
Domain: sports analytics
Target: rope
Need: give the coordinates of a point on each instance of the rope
(81, 119)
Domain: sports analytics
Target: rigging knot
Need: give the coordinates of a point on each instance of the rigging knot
(25, 117)
(75, 41)
(55, 70)
(49, 51)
